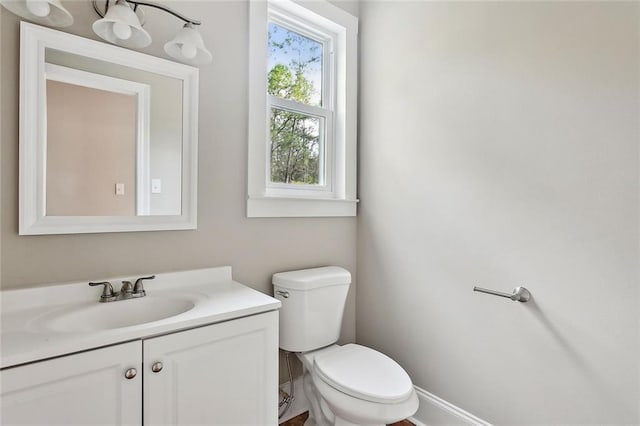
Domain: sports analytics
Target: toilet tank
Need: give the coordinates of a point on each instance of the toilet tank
(313, 303)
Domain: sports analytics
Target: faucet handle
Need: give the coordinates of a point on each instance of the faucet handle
(108, 295)
(127, 287)
(138, 288)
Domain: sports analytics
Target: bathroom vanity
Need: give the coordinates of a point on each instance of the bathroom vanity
(198, 349)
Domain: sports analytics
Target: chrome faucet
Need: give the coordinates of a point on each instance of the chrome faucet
(127, 291)
(108, 295)
(138, 288)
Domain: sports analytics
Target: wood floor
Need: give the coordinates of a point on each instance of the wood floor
(299, 421)
(296, 421)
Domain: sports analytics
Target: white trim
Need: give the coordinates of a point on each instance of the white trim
(432, 409)
(341, 172)
(32, 220)
(143, 156)
(258, 112)
(435, 410)
(299, 207)
(298, 107)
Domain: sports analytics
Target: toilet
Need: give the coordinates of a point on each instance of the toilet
(345, 385)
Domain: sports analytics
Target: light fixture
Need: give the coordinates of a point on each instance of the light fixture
(188, 46)
(120, 24)
(45, 12)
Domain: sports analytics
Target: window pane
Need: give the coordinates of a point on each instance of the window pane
(296, 148)
(294, 66)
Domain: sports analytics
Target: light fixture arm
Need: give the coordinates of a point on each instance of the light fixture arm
(146, 3)
(121, 24)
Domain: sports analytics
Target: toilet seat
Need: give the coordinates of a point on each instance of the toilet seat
(363, 373)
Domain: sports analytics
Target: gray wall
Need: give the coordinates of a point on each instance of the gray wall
(255, 248)
(499, 147)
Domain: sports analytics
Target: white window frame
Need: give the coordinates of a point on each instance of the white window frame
(337, 31)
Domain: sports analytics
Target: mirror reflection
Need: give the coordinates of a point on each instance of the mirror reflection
(113, 139)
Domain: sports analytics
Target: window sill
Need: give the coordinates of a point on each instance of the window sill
(299, 207)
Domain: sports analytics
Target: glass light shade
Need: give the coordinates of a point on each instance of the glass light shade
(38, 7)
(188, 46)
(44, 12)
(121, 26)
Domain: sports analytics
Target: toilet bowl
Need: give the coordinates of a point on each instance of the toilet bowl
(345, 385)
(356, 385)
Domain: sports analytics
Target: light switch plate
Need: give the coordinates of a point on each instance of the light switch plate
(119, 188)
(156, 186)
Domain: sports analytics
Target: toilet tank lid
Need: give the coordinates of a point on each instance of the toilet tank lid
(308, 279)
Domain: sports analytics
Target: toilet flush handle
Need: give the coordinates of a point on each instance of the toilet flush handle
(282, 293)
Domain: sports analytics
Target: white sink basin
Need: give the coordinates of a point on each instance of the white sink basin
(111, 315)
(48, 321)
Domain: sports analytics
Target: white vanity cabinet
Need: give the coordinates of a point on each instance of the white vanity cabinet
(87, 388)
(198, 349)
(222, 374)
(218, 374)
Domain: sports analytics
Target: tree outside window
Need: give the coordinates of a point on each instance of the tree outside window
(296, 138)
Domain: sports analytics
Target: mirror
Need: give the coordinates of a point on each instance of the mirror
(108, 137)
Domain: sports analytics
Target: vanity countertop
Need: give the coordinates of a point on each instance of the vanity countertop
(34, 320)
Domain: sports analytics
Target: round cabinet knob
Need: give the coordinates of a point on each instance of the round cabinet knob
(156, 367)
(130, 373)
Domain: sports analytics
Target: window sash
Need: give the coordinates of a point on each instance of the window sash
(326, 111)
(327, 148)
(321, 35)
(295, 106)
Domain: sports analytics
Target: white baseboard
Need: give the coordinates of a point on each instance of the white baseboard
(434, 411)
(300, 403)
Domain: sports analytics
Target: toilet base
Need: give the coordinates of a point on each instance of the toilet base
(319, 412)
(346, 411)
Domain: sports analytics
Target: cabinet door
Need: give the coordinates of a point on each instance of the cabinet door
(87, 388)
(222, 374)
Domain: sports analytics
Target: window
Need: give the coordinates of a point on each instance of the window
(302, 110)
(300, 126)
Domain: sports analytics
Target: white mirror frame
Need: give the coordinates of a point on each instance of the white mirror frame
(34, 40)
